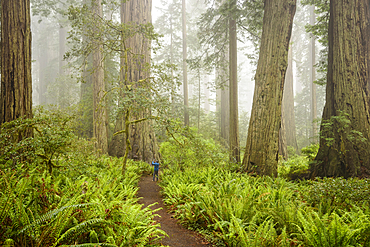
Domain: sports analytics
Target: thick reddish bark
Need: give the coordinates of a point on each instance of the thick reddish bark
(261, 153)
(345, 129)
(16, 80)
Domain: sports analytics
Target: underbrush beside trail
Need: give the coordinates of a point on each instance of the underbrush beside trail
(240, 210)
(55, 191)
(97, 208)
(235, 209)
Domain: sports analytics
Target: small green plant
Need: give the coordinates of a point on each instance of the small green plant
(329, 194)
(294, 168)
(332, 229)
(310, 151)
(52, 139)
(340, 127)
(83, 200)
(190, 149)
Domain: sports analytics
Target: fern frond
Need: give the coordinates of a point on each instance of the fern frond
(51, 215)
(84, 226)
(90, 245)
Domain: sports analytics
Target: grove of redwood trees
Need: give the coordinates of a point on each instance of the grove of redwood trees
(16, 80)
(261, 153)
(345, 129)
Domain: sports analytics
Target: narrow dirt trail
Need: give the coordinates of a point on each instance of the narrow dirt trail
(178, 235)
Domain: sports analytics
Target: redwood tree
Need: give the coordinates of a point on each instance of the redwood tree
(233, 90)
(100, 112)
(135, 73)
(16, 80)
(261, 153)
(345, 129)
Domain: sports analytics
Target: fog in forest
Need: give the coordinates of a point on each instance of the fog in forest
(57, 81)
(246, 120)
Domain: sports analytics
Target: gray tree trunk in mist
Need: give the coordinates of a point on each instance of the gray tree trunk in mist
(86, 93)
(118, 143)
(62, 50)
(100, 113)
(261, 153)
(173, 87)
(206, 94)
(222, 94)
(344, 144)
(288, 128)
(225, 104)
(43, 60)
(184, 65)
(141, 135)
(233, 92)
(16, 77)
(313, 78)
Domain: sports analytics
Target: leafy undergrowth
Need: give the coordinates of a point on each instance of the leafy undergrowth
(236, 209)
(54, 191)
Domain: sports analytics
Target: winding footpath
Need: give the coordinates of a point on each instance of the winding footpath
(178, 235)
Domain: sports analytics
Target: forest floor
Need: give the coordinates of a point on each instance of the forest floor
(178, 235)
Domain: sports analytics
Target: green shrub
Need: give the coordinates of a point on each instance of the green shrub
(351, 229)
(329, 194)
(294, 168)
(52, 139)
(239, 210)
(234, 207)
(42, 210)
(310, 151)
(192, 150)
(55, 191)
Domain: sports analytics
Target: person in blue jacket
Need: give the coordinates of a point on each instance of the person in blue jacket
(156, 169)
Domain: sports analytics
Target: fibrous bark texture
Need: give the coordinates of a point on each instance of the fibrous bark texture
(100, 112)
(345, 129)
(261, 153)
(233, 94)
(141, 135)
(16, 80)
(184, 65)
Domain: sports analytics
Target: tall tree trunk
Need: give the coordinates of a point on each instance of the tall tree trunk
(16, 79)
(118, 143)
(86, 92)
(224, 101)
(218, 106)
(233, 92)
(206, 94)
(173, 86)
(287, 111)
(343, 150)
(313, 78)
(223, 73)
(184, 65)
(43, 59)
(140, 135)
(62, 101)
(100, 113)
(261, 153)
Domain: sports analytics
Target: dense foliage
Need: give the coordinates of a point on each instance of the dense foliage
(83, 201)
(236, 209)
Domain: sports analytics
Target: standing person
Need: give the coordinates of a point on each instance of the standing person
(156, 169)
